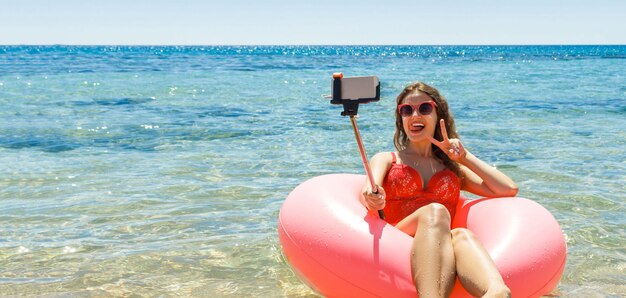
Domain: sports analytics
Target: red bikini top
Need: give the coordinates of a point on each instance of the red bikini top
(405, 192)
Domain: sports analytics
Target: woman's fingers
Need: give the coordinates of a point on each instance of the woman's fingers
(435, 142)
(452, 147)
(443, 144)
(376, 204)
(376, 201)
(457, 151)
(444, 132)
(455, 146)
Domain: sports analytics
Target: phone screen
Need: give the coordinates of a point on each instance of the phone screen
(354, 88)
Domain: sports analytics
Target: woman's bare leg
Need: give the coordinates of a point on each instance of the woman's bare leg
(432, 256)
(475, 269)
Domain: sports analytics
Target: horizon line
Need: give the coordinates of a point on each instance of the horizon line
(310, 45)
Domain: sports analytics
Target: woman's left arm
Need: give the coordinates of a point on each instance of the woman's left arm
(478, 177)
(484, 180)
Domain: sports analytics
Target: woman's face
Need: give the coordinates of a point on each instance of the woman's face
(417, 126)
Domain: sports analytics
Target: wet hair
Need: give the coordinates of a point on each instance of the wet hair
(400, 138)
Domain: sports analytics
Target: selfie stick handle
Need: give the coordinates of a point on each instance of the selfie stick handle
(366, 165)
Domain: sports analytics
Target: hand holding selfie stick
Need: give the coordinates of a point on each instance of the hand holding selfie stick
(358, 93)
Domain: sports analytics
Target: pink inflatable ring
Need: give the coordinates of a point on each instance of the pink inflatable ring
(341, 250)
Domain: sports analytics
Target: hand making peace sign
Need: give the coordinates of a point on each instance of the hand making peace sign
(451, 147)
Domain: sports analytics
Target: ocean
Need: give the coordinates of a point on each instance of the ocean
(160, 170)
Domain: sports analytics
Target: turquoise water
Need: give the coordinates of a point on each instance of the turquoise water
(160, 171)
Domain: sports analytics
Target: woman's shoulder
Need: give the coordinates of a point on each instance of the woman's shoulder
(384, 157)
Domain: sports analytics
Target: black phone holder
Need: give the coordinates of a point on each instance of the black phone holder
(350, 106)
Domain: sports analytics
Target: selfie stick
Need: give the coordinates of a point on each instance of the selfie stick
(350, 108)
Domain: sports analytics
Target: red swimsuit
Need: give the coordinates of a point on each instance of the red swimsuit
(405, 192)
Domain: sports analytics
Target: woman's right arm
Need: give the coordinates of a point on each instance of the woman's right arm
(379, 165)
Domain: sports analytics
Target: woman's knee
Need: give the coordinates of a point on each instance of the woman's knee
(462, 235)
(435, 215)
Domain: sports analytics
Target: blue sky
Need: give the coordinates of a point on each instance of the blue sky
(260, 22)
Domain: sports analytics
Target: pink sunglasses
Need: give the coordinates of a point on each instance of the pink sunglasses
(424, 108)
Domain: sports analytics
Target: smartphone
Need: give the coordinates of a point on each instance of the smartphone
(360, 89)
(352, 91)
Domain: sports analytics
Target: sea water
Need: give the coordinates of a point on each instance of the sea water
(160, 171)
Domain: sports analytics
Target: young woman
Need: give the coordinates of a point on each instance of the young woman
(418, 188)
